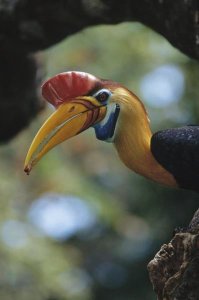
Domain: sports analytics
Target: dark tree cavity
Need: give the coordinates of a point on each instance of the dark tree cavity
(27, 26)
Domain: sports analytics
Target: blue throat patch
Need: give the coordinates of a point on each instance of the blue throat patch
(105, 130)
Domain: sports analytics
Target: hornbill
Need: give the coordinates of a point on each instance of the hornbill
(170, 157)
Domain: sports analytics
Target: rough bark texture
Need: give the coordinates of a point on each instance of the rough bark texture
(19, 101)
(27, 26)
(174, 271)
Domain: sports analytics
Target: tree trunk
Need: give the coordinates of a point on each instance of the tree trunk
(174, 271)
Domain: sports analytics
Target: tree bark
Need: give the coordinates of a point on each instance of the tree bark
(27, 26)
(174, 271)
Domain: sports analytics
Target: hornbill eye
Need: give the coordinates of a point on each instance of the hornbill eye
(102, 95)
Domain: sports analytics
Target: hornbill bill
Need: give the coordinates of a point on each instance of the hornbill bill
(170, 156)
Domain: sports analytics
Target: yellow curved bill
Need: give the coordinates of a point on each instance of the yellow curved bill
(67, 121)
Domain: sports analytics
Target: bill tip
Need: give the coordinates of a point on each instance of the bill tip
(27, 169)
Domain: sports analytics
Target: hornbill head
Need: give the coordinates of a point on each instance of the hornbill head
(81, 101)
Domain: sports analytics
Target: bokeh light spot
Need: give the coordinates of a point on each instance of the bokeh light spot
(60, 217)
(163, 86)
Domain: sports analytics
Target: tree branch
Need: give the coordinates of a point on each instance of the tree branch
(27, 26)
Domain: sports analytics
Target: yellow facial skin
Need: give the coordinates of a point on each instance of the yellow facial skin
(71, 118)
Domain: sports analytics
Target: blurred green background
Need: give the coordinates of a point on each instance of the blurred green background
(82, 226)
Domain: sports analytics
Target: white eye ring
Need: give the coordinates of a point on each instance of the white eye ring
(102, 95)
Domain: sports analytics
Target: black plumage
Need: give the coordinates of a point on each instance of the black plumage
(177, 150)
